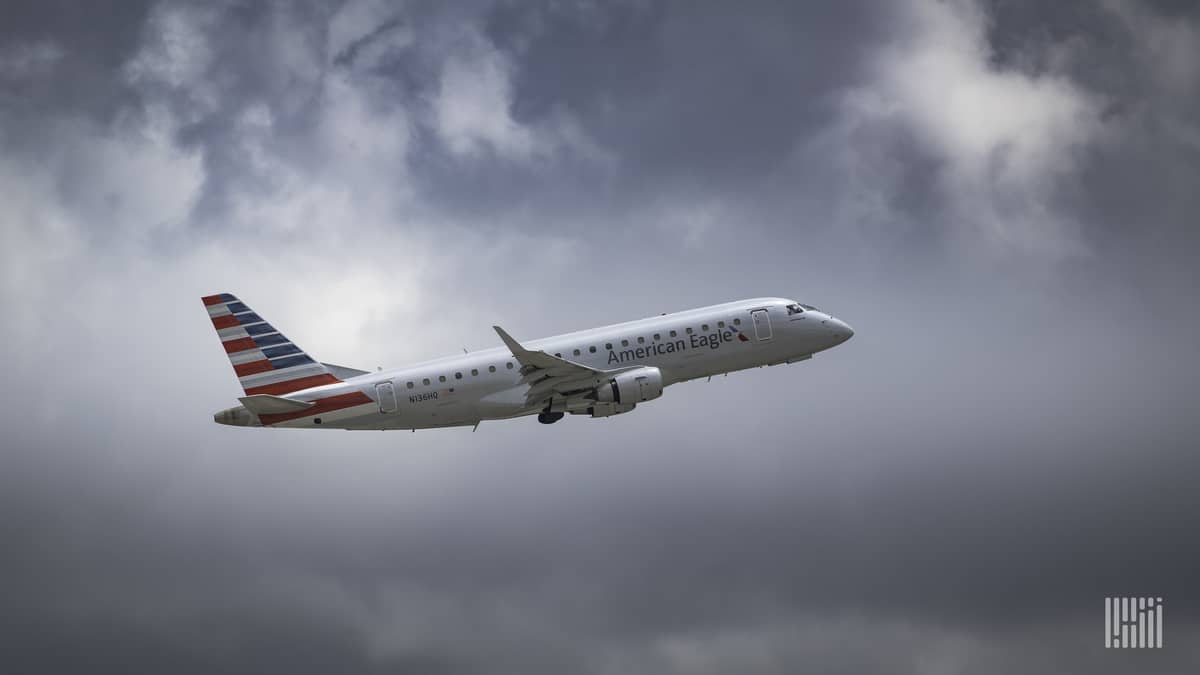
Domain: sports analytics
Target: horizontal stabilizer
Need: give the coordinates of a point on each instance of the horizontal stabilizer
(266, 404)
(344, 372)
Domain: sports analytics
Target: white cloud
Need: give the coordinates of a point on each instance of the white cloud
(176, 54)
(692, 220)
(94, 188)
(866, 643)
(943, 84)
(24, 60)
(321, 216)
(361, 19)
(361, 138)
(1005, 139)
(472, 107)
(472, 112)
(1168, 48)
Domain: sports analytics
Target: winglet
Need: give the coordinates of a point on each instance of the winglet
(549, 376)
(513, 346)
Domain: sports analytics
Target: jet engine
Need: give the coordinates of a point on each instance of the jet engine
(624, 391)
(610, 409)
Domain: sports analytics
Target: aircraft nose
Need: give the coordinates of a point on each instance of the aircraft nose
(840, 329)
(846, 330)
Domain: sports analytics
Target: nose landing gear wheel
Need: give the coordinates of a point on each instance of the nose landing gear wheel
(549, 417)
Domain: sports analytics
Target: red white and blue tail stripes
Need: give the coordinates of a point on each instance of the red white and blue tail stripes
(265, 361)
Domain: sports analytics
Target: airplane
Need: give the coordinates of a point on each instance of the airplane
(598, 372)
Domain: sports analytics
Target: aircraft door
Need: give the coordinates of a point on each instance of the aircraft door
(385, 394)
(762, 324)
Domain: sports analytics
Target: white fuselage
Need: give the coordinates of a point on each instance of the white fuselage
(486, 385)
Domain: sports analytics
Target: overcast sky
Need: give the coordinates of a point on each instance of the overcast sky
(1001, 198)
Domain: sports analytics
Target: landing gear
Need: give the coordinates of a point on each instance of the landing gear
(549, 417)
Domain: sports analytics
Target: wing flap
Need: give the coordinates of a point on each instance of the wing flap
(562, 387)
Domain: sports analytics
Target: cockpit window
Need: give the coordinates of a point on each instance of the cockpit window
(810, 308)
(795, 309)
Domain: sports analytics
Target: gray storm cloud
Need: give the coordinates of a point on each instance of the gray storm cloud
(998, 196)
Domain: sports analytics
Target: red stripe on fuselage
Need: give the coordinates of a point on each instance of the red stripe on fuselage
(227, 321)
(239, 345)
(323, 405)
(253, 367)
(210, 300)
(293, 385)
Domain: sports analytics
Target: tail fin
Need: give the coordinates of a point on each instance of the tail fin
(265, 361)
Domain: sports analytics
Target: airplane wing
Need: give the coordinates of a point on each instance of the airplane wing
(550, 376)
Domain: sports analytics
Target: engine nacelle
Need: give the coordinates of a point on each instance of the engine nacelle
(631, 387)
(610, 409)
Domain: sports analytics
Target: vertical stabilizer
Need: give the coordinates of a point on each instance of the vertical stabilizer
(264, 361)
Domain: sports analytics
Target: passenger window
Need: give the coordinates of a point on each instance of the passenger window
(491, 369)
(458, 376)
(576, 352)
(474, 372)
(592, 350)
(720, 324)
(508, 365)
(441, 378)
(674, 334)
(657, 336)
(608, 346)
(737, 322)
(641, 340)
(704, 327)
(624, 343)
(689, 330)
(410, 385)
(425, 382)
